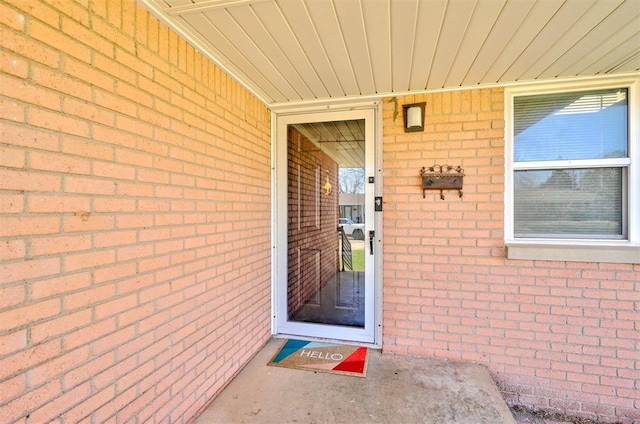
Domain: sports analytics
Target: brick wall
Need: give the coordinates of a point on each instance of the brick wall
(312, 246)
(564, 336)
(135, 234)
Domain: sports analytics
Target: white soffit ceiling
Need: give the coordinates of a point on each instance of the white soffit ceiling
(297, 51)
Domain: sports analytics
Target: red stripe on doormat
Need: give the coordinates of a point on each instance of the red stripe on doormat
(355, 362)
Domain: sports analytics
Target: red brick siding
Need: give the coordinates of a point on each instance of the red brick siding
(135, 235)
(312, 249)
(560, 335)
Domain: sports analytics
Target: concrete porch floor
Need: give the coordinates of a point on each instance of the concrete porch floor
(396, 390)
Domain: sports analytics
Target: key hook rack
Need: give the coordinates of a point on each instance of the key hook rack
(442, 177)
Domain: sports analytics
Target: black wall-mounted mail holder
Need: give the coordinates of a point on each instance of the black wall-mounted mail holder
(442, 177)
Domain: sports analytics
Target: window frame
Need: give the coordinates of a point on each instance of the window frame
(585, 250)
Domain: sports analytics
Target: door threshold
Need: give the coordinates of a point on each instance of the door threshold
(327, 340)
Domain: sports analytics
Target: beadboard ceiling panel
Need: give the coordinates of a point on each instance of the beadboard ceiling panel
(305, 51)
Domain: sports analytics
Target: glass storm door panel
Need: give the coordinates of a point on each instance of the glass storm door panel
(325, 257)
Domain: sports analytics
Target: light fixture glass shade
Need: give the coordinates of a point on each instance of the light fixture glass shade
(414, 117)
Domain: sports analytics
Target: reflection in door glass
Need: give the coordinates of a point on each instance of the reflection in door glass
(326, 223)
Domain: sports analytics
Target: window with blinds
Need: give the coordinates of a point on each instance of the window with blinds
(570, 164)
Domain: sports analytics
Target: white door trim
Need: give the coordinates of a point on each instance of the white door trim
(371, 334)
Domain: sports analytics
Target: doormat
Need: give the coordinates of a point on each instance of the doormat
(322, 357)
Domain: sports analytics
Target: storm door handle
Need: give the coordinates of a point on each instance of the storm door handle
(372, 235)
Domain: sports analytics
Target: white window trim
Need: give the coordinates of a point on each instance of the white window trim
(623, 251)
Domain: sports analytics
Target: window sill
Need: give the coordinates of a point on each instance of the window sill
(580, 251)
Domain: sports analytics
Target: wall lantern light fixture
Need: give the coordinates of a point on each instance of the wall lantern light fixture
(413, 117)
(327, 186)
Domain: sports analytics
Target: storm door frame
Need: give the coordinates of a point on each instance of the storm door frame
(371, 334)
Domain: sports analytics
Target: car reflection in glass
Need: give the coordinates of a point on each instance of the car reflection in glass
(352, 229)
